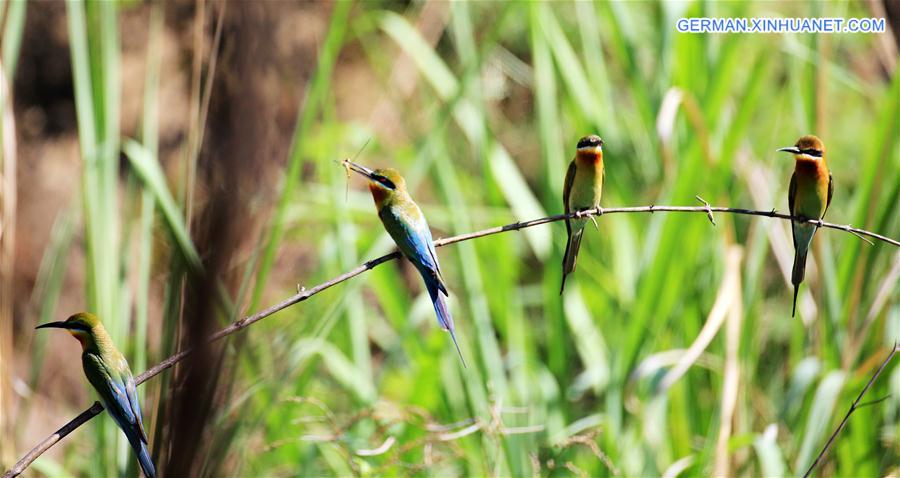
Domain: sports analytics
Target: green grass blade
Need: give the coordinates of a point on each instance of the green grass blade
(818, 424)
(12, 36)
(508, 177)
(148, 169)
(317, 89)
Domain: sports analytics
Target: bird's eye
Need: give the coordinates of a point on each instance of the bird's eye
(385, 182)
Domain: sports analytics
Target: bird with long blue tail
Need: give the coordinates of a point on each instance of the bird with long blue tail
(107, 370)
(809, 195)
(406, 224)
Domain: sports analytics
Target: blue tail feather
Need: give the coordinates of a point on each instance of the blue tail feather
(126, 419)
(443, 312)
(143, 456)
(440, 305)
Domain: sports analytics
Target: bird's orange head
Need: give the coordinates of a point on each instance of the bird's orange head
(383, 183)
(807, 148)
(83, 326)
(590, 149)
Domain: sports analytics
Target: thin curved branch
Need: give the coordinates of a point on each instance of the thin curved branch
(853, 407)
(304, 294)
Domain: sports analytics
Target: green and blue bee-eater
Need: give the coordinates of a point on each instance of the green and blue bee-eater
(406, 224)
(808, 197)
(108, 372)
(582, 190)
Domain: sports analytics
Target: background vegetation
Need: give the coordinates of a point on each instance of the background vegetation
(202, 186)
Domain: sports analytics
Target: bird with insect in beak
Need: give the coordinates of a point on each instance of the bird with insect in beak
(581, 190)
(108, 372)
(406, 224)
(809, 195)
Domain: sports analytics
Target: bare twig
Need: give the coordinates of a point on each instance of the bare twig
(388, 443)
(575, 470)
(304, 294)
(435, 434)
(853, 407)
(437, 427)
(589, 440)
(654, 208)
(51, 440)
(478, 425)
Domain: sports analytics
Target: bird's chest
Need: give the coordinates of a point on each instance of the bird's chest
(587, 186)
(812, 188)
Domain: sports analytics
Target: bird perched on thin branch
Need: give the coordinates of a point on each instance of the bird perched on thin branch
(107, 370)
(406, 224)
(809, 195)
(582, 190)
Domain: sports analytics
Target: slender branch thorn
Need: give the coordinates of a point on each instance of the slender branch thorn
(872, 402)
(709, 213)
(851, 231)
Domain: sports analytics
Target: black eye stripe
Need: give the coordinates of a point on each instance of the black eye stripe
(385, 182)
(812, 152)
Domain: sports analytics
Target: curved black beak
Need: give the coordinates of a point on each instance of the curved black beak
(53, 325)
(790, 149)
(358, 168)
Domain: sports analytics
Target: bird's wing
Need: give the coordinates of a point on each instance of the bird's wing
(425, 233)
(408, 228)
(567, 189)
(111, 388)
(131, 392)
(792, 191)
(433, 253)
(830, 193)
(429, 242)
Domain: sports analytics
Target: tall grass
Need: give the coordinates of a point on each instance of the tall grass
(94, 44)
(645, 284)
(12, 19)
(498, 97)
